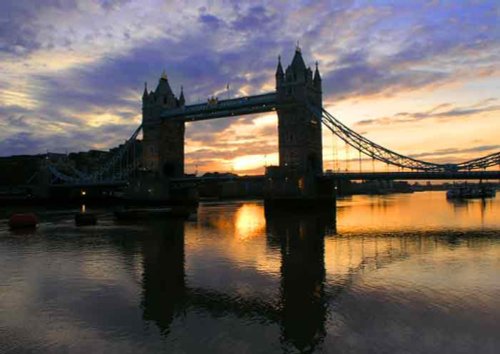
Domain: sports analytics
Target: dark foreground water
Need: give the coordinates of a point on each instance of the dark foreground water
(389, 274)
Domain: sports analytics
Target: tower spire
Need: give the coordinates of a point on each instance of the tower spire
(279, 69)
(317, 76)
(182, 100)
(145, 93)
(163, 89)
(298, 64)
(280, 75)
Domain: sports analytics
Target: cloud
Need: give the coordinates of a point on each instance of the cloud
(255, 17)
(19, 31)
(212, 22)
(436, 112)
(445, 153)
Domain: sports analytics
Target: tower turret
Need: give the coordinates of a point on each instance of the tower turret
(317, 78)
(182, 100)
(297, 70)
(145, 93)
(163, 92)
(280, 75)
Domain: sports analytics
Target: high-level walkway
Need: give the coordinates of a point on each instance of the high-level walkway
(224, 108)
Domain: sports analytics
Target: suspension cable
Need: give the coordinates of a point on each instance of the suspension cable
(380, 153)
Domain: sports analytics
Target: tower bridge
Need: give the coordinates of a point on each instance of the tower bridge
(299, 130)
(297, 100)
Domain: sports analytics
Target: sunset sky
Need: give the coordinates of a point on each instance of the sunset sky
(418, 77)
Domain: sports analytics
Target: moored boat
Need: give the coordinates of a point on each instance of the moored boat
(22, 221)
(471, 191)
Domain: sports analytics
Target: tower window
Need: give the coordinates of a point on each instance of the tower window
(164, 100)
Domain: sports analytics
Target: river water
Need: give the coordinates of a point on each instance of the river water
(403, 273)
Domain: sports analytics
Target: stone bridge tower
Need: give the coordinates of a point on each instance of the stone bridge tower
(163, 152)
(300, 145)
(300, 141)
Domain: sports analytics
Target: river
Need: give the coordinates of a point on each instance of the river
(402, 273)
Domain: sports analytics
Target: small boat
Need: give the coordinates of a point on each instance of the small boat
(142, 213)
(23, 221)
(470, 191)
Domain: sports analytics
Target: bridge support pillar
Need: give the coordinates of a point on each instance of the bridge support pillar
(295, 180)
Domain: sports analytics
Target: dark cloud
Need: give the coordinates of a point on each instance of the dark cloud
(30, 142)
(438, 46)
(21, 144)
(455, 151)
(19, 28)
(112, 4)
(253, 18)
(211, 21)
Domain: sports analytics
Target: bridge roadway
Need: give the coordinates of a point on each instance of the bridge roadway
(339, 176)
(91, 184)
(223, 108)
(358, 176)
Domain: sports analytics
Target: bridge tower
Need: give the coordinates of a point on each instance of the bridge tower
(299, 134)
(163, 152)
(300, 145)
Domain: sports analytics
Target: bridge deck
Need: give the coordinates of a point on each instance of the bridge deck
(460, 175)
(224, 108)
(357, 176)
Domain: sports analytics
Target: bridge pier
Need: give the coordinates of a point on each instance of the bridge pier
(288, 188)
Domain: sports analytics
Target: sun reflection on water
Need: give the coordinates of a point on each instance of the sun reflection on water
(249, 221)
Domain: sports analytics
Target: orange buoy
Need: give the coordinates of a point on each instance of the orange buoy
(19, 221)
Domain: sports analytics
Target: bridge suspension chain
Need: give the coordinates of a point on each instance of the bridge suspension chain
(112, 170)
(380, 153)
(117, 158)
(481, 162)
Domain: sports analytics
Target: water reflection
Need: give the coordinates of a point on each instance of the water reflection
(301, 308)
(318, 267)
(417, 211)
(163, 280)
(463, 207)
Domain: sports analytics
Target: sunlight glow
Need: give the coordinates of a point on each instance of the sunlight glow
(251, 162)
(249, 221)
